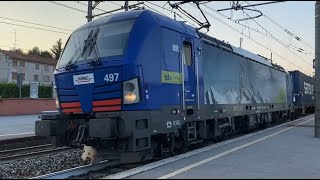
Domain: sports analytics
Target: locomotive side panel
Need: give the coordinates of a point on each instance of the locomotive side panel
(247, 82)
(220, 87)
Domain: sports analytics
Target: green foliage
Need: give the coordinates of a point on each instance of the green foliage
(57, 49)
(8, 90)
(25, 91)
(17, 50)
(34, 51)
(46, 54)
(11, 90)
(45, 92)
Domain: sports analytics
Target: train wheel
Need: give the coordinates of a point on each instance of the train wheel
(178, 145)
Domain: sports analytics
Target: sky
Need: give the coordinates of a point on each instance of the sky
(263, 35)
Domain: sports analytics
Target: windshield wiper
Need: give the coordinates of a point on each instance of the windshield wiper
(93, 48)
(84, 45)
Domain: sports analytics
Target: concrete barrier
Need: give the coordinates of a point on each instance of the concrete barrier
(15, 106)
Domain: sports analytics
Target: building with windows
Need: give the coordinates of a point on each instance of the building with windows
(31, 68)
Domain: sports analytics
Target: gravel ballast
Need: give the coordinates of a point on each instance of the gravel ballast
(40, 165)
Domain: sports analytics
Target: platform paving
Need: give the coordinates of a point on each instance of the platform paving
(17, 124)
(287, 151)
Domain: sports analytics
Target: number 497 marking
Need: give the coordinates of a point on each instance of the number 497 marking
(111, 77)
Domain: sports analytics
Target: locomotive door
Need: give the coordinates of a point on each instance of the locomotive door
(188, 72)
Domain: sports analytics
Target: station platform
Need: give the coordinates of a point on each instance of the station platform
(16, 136)
(289, 150)
(17, 125)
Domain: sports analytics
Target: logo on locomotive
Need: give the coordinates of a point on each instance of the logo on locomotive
(83, 79)
(170, 77)
(308, 88)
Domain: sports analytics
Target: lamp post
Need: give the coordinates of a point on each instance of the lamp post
(19, 80)
(317, 70)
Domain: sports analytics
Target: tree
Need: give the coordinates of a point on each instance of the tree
(46, 54)
(17, 50)
(34, 51)
(57, 49)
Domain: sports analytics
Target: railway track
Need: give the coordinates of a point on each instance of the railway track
(25, 146)
(19, 153)
(68, 173)
(9, 142)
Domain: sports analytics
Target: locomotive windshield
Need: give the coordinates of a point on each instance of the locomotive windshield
(110, 40)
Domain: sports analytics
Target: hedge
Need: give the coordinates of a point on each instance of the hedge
(11, 90)
(45, 91)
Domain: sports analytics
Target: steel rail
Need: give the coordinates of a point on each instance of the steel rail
(77, 171)
(30, 154)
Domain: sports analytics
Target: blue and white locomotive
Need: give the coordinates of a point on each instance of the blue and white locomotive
(137, 84)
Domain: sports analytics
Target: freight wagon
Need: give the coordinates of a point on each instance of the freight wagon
(303, 88)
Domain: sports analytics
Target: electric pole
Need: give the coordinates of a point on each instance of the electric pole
(126, 4)
(89, 17)
(317, 69)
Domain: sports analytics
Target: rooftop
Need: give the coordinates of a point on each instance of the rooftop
(29, 58)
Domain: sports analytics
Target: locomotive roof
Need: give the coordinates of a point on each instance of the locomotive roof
(236, 50)
(165, 21)
(139, 15)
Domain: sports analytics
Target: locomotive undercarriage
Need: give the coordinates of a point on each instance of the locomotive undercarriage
(129, 138)
(132, 137)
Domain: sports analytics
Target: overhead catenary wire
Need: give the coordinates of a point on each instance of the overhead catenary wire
(67, 6)
(165, 9)
(154, 9)
(300, 50)
(171, 11)
(34, 23)
(114, 3)
(285, 29)
(33, 27)
(290, 33)
(94, 8)
(221, 21)
(278, 40)
(105, 11)
(253, 39)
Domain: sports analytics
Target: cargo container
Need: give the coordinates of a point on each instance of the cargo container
(303, 88)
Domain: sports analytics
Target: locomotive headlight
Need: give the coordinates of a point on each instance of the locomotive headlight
(131, 91)
(130, 97)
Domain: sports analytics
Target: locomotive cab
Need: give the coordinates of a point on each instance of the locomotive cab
(117, 73)
(95, 66)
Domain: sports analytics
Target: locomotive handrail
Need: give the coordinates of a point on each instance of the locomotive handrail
(182, 77)
(197, 73)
